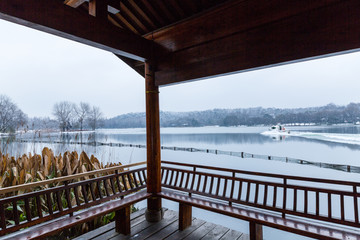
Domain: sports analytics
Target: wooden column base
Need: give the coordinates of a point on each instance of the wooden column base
(154, 212)
(256, 231)
(185, 216)
(122, 221)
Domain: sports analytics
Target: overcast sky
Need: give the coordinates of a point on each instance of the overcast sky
(38, 70)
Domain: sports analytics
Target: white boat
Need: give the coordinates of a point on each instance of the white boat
(277, 132)
(278, 129)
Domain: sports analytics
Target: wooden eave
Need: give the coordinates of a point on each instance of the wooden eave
(195, 39)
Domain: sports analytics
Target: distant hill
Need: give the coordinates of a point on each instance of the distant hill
(329, 114)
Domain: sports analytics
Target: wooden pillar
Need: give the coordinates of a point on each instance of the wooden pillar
(153, 148)
(185, 216)
(122, 220)
(256, 231)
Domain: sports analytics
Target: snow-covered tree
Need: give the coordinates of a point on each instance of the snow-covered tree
(95, 118)
(82, 112)
(11, 117)
(64, 113)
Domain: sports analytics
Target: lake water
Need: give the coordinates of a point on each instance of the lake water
(330, 144)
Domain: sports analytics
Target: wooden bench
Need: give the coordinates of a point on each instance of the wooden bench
(307, 207)
(45, 213)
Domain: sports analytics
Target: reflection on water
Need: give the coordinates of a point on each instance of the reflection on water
(320, 146)
(312, 143)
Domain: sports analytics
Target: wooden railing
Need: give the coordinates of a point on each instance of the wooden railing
(31, 208)
(321, 199)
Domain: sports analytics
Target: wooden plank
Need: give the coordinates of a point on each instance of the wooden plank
(74, 3)
(139, 10)
(169, 217)
(244, 237)
(231, 235)
(182, 234)
(134, 231)
(99, 232)
(333, 29)
(64, 21)
(137, 224)
(109, 227)
(165, 232)
(216, 233)
(219, 22)
(201, 231)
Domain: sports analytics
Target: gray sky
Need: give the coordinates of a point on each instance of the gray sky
(38, 70)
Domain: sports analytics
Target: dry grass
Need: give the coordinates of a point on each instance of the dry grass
(33, 168)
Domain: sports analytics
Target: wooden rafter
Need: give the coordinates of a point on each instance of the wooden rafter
(140, 12)
(148, 6)
(124, 10)
(74, 3)
(59, 19)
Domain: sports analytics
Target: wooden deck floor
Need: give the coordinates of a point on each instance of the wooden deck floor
(165, 229)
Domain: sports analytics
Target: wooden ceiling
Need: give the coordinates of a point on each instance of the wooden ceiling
(145, 16)
(195, 39)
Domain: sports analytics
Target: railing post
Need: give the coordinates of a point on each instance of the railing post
(154, 210)
(284, 198)
(256, 231)
(2, 216)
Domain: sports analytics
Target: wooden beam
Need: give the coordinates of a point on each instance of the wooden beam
(136, 65)
(265, 34)
(98, 8)
(59, 19)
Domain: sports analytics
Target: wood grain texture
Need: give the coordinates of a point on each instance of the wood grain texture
(305, 228)
(122, 220)
(153, 146)
(248, 35)
(256, 231)
(185, 216)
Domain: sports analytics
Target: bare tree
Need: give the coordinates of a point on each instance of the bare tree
(82, 112)
(64, 112)
(95, 118)
(11, 117)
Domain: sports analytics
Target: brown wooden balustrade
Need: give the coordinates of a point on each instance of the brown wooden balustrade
(270, 199)
(327, 200)
(17, 212)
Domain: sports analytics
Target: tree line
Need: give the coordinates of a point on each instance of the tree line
(67, 116)
(329, 114)
(70, 116)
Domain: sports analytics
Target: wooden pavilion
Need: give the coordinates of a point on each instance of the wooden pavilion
(175, 41)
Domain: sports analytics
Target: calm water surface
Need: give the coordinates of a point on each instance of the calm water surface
(331, 144)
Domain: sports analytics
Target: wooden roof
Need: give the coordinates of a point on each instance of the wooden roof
(195, 39)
